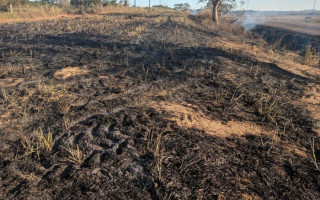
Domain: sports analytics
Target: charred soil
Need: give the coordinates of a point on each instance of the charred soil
(132, 106)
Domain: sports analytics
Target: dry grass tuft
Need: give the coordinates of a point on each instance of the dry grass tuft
(47, 90)
(75, 156)
(4, 97)
(39, 142)
(310, 57)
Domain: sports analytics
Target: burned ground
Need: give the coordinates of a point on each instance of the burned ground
(94, 85)
(287, 39)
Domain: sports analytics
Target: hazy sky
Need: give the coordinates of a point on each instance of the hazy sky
(253, 4)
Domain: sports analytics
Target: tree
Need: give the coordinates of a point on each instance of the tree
(242, 3)
(6, 4)
(182, 6)
(224, 8)
(3, 3)
(79, 3)
(215, 7)
(64, 3)
(178, 6)
(186, 6)
(110, 2)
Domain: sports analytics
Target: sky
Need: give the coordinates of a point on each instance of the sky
(253, 4)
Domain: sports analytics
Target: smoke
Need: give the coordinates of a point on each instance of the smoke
(195, 11)
(251, 19)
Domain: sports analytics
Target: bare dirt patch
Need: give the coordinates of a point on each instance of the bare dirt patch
(189, 116)
(295, 150)
(249, 197)
(69, 72)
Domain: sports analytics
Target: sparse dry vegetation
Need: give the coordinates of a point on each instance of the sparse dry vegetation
(75, 156)
(4, 96)
(311, 57)
(37, 143)
(162, 105)
(47, 11)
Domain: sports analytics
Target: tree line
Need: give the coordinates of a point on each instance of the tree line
(7, 3)
(217, 6)
(182, 6)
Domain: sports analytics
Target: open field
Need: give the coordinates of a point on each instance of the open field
(154, 106)
(304, 28)
(287, 32)
(290, 32)
(287, 39)
(299, 24)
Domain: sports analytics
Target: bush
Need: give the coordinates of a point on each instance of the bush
(3, 6)
(86, 3)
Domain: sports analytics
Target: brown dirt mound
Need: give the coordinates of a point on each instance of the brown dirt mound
(187, 115)
(68, 72)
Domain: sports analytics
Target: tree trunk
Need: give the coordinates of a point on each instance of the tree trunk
(215, 10)
(11, 10)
